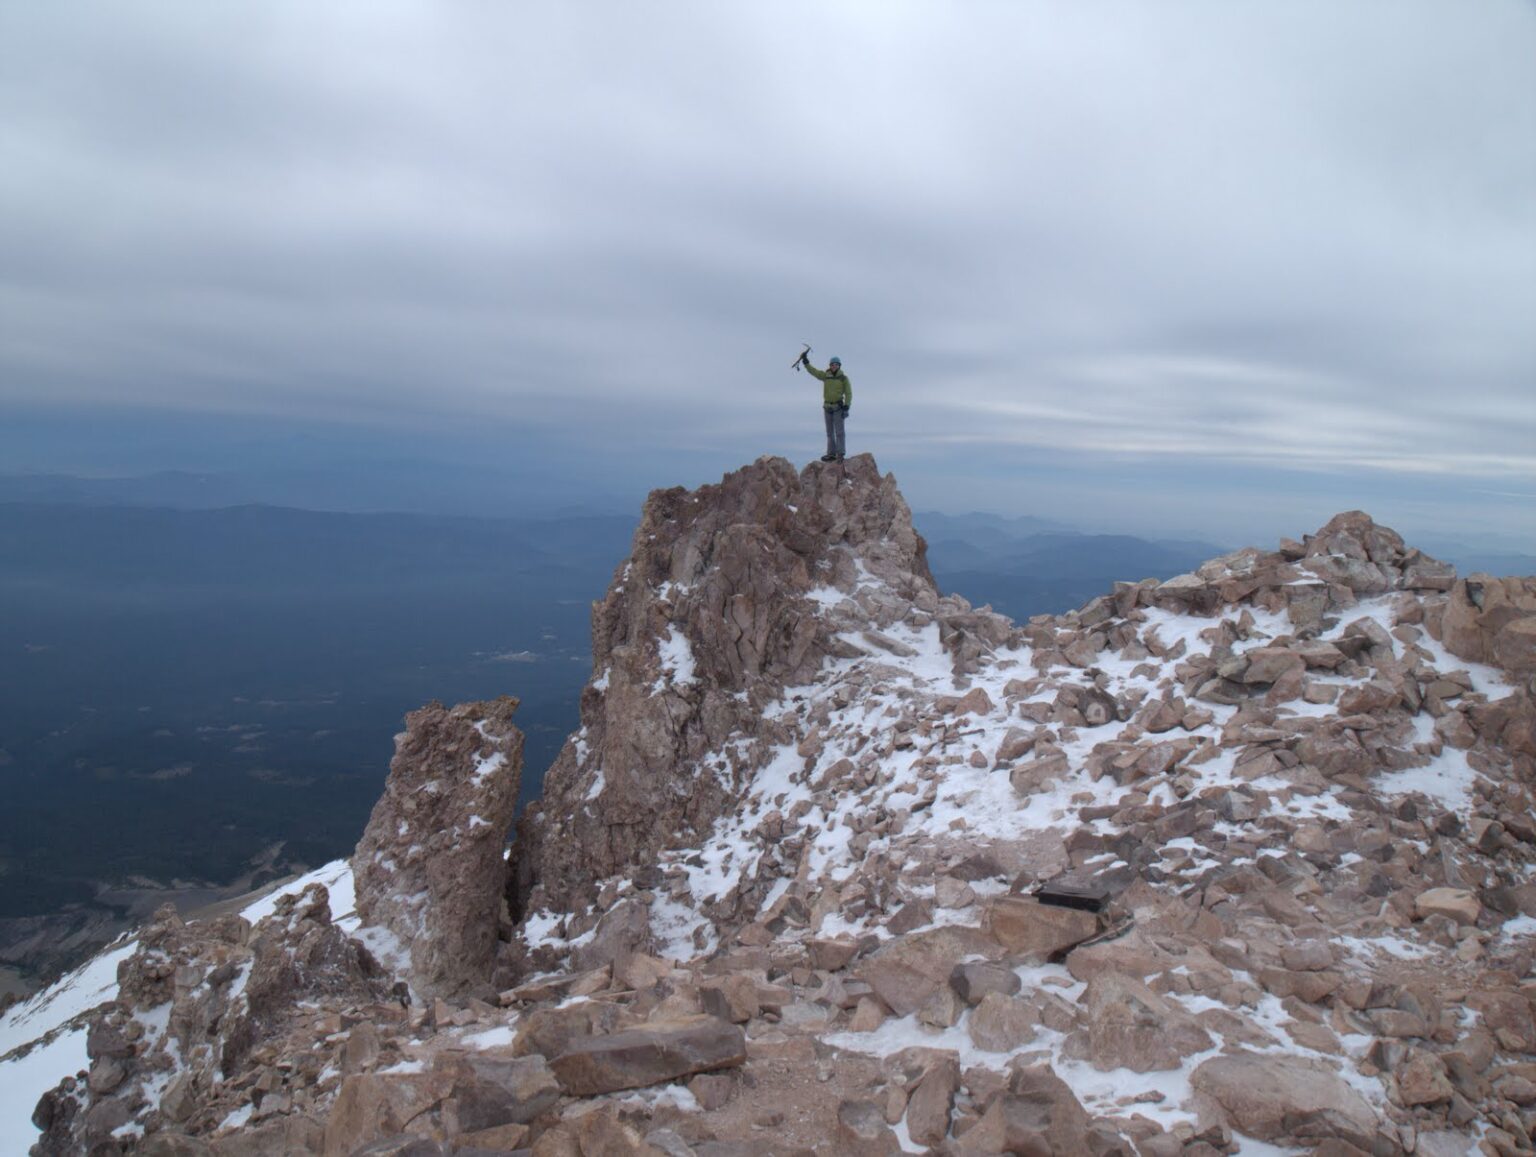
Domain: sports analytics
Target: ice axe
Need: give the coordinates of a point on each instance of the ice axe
(800, 357)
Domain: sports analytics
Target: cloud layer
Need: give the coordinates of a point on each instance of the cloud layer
(1297, 235)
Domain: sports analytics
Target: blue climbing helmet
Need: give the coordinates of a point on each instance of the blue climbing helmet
(835, 362)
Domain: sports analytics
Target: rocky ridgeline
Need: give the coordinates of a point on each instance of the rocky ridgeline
(838, 865)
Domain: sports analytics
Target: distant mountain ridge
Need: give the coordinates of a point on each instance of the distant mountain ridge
(403, 487)
(1027, 566)
(249, 544)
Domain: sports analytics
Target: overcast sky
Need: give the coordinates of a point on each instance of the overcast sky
(1182, 262)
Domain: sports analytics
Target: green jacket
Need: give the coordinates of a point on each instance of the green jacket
(836, 389)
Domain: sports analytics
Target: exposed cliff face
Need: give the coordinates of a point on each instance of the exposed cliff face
(714, 614)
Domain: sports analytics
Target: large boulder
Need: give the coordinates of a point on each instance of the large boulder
(1034, 932)
(1287, 1099)
(649, 1054)
(908, 970)
(430, 868)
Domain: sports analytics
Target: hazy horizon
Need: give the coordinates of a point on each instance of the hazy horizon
(1217, 270)
(377, 469)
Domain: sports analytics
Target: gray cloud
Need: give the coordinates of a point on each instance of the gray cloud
(1300, 235)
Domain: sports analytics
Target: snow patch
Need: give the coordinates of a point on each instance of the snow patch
(492, 1038)
(676, 658)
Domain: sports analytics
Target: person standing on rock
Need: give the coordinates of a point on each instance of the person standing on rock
(836, 398)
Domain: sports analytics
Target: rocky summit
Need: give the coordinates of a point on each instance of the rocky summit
(1240, 861)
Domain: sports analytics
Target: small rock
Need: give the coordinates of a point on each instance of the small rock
(1001, 1024)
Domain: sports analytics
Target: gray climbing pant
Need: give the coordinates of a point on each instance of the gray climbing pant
(835, 416)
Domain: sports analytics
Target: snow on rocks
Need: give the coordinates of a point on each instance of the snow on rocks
(199, 1014)
(1259, 757)
(1238, 862)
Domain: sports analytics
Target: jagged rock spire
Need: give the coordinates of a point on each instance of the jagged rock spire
(713, 615)
(429, 869)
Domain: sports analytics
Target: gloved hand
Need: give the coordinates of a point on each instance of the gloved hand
(805, 357)
(846, 407)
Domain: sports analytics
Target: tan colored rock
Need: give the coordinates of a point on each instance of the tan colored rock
(624, 930)
(286, 1133)
(1038, 1116)
(1316, 653)
(501, 1137)
(1307, 955)
(1133, 954)
(902, 987)
(1309, 986)
(1131, 1027)
(1422, 1080)
(833, 954)
(490, 1090)
(1507, 1015)
(602, 1133)
(973, 980)
(1035, 774)
(372, 1106)
(1164, 715)
(659, 1051)
(1269, 664)
(952, 893)
(1456, 904)
(976, 701)
(1492, 620)
(1002, 1024)
(739, 992)
(929, 1107)
(1286, 1099)
(862, 1131)
(1035, 932)
(557, 1142)
(868, 1015)
(1317, 1037)
(942, 1009)
(1016, 742)
(1351, 546)
(1397, 1023)
(906, 971)
(551, 1030)
(713, 1090)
